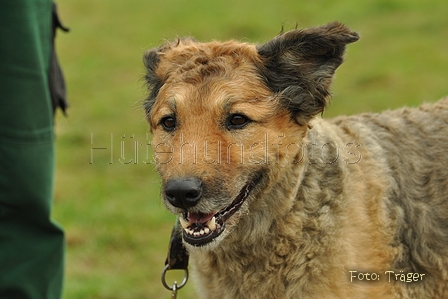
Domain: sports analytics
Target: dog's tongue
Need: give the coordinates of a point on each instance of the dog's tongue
(199, 217)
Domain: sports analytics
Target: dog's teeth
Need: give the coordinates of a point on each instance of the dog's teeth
(183, 222)
(212, 224)
(190, 229)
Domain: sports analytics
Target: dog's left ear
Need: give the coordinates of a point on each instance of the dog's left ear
(299, 65)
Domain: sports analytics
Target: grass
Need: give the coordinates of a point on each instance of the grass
(117, 229)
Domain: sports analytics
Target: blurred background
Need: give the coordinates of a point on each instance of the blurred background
(107, 194)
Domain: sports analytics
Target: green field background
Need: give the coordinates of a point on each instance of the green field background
(108, 198)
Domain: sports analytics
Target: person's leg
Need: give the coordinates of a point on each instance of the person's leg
(31, 245)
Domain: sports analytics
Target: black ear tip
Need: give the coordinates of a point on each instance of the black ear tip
(338, 29)
(349, 37)
(151, 58)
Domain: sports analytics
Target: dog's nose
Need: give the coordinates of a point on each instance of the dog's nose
(183, 193)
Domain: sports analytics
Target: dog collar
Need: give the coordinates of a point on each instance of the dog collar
(177, 259)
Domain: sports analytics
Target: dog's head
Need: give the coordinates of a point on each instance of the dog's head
(228, 119)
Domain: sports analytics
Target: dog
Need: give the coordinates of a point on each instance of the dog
(276, 202)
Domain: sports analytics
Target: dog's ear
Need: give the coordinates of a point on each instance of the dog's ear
(154, 77)
(298, 66)
(151, 60)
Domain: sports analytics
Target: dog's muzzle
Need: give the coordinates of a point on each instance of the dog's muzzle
(200, 229)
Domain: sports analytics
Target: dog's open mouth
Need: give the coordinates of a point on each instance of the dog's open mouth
(200, 229)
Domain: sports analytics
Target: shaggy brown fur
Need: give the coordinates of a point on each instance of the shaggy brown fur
(278, 203)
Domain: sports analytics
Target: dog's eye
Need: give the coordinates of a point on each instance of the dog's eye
(168, 123)
(237, 121)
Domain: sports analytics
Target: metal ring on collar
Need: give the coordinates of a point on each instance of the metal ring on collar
(177, 287)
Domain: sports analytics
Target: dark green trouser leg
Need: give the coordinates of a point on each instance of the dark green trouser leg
(31, 245)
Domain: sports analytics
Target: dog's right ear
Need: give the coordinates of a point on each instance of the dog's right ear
(151, 60)
(299, 65)
(155, 74)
